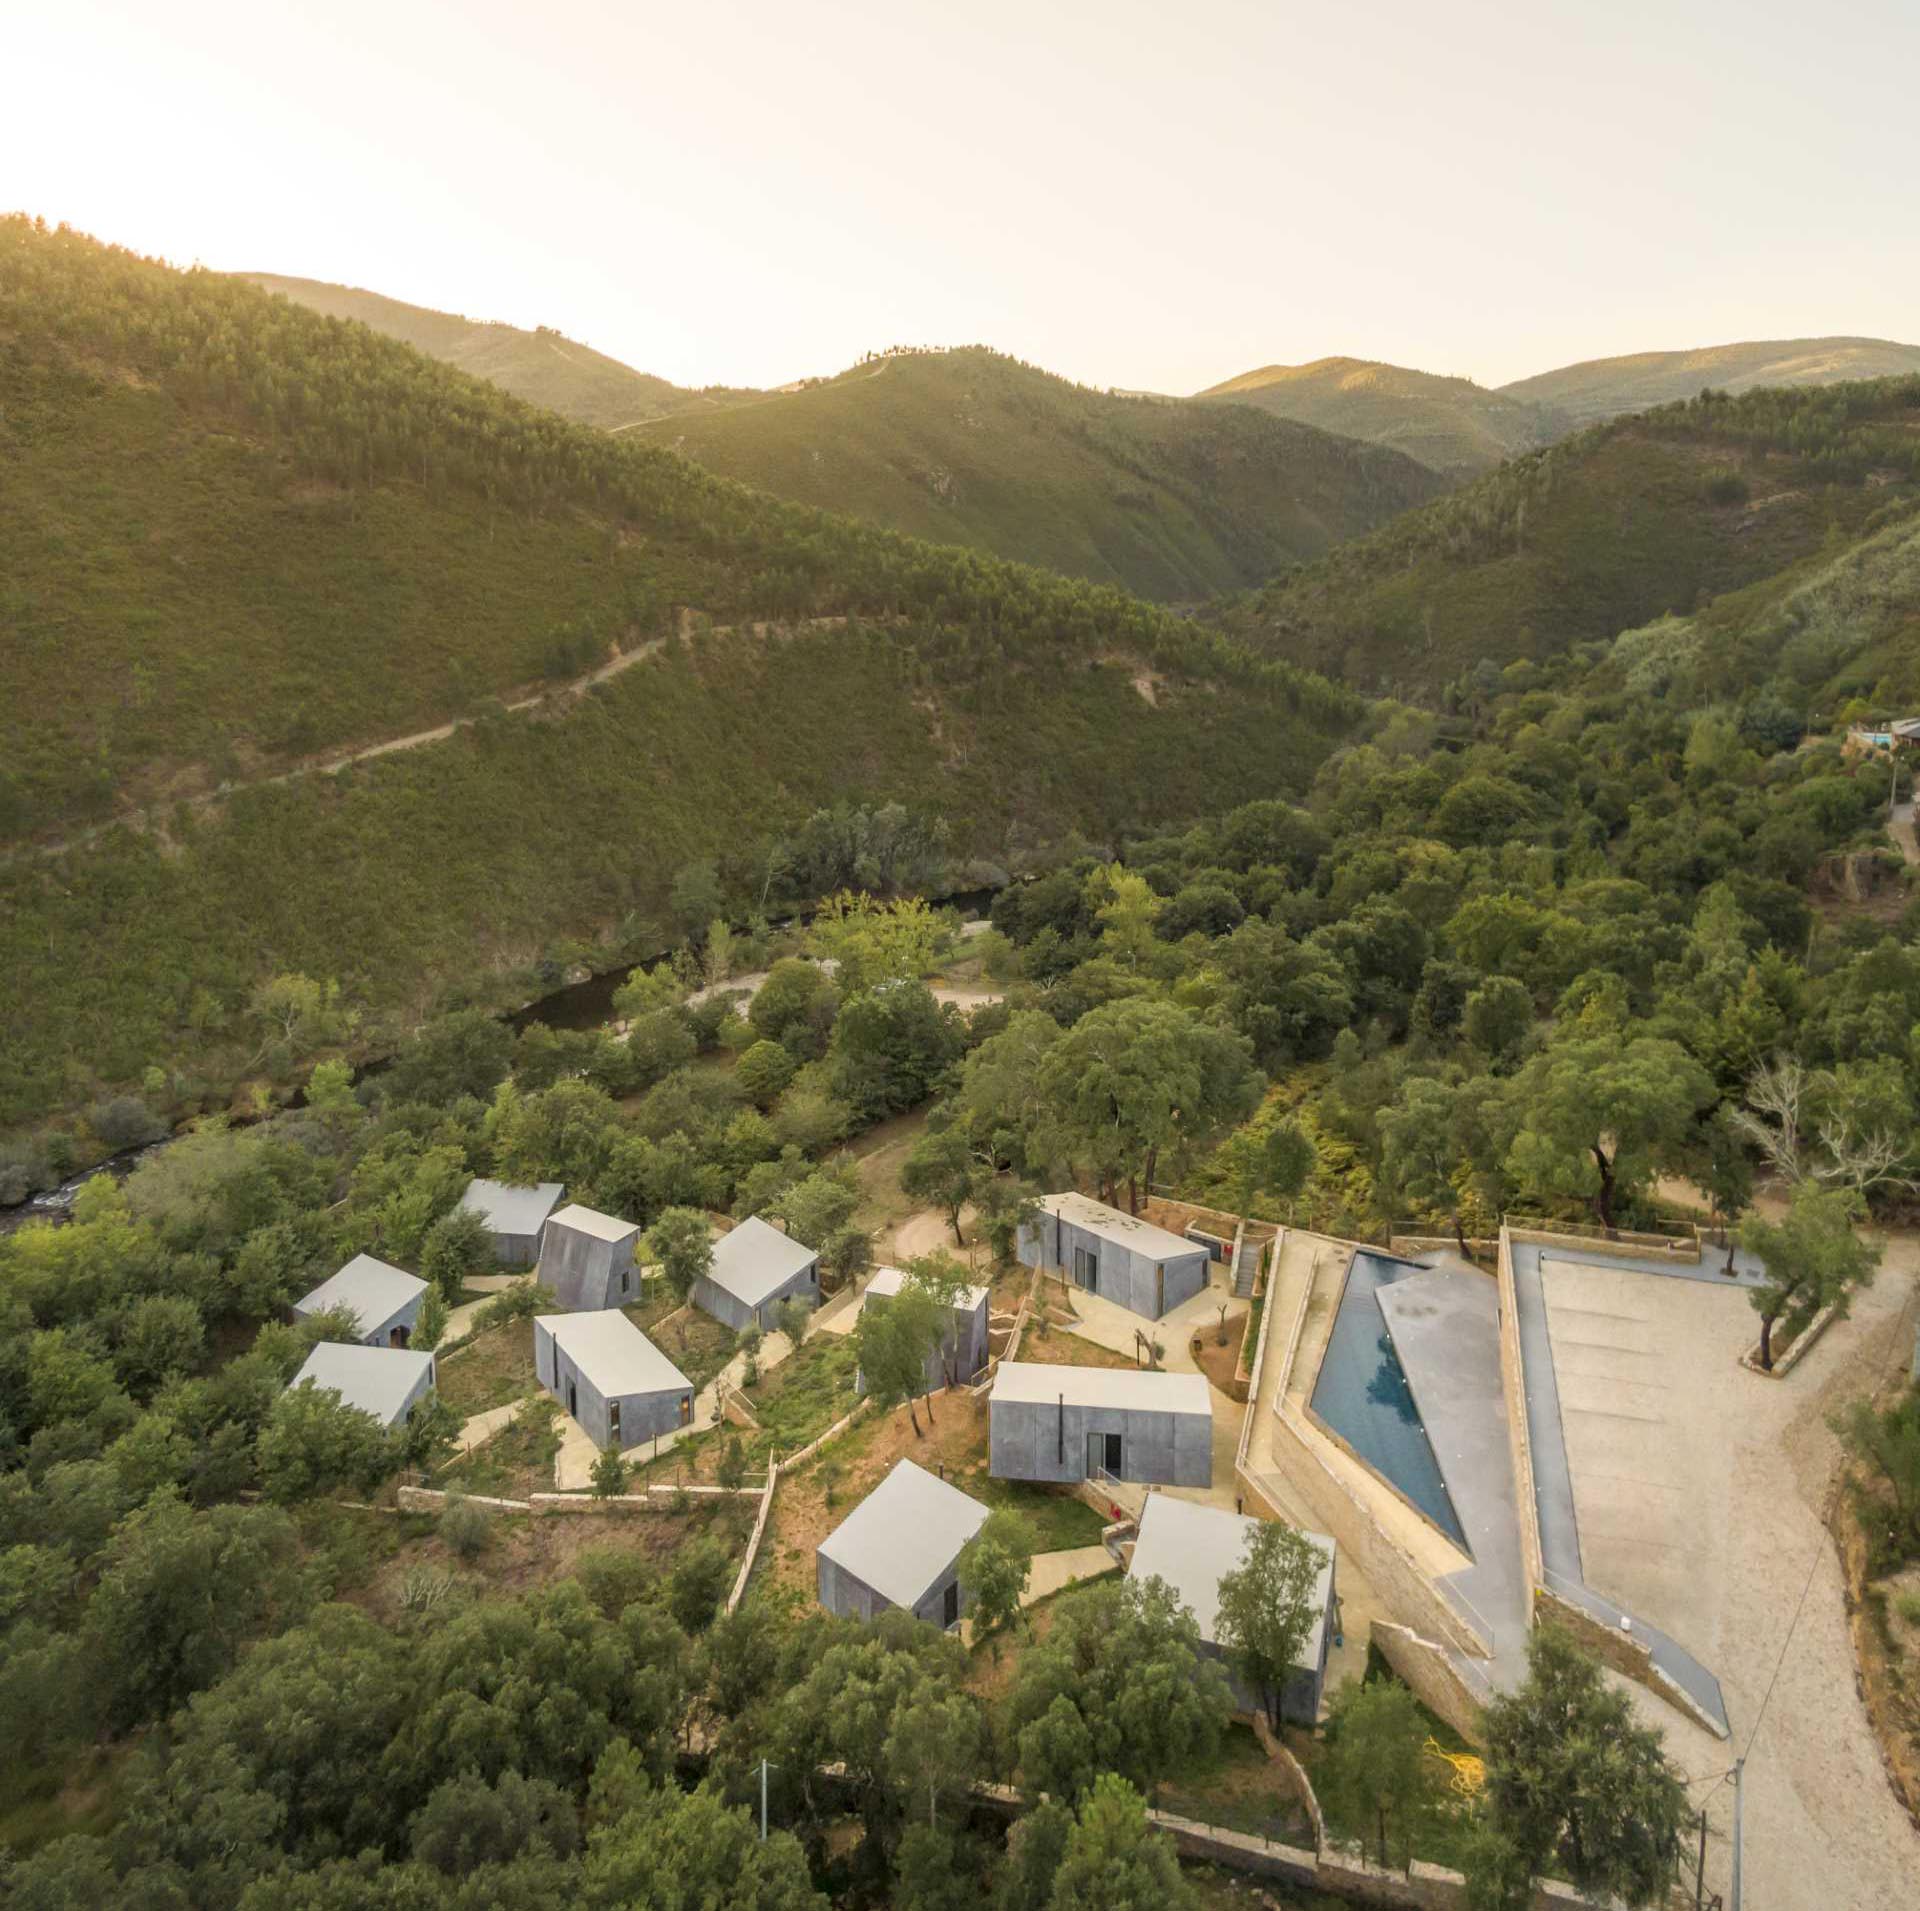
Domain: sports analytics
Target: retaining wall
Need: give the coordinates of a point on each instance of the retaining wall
(1432, 1675)
(1513, 1389)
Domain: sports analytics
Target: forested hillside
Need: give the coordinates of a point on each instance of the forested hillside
(1452, 425)
(540, 366)
(236, 532)
(1610, 530)
(1164, 497)
(1605, 387)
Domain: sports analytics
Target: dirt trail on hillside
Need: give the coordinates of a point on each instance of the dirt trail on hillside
(333, 765)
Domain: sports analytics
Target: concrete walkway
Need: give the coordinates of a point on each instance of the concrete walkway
(460, 1319)
(1054, 1572)
(1109, 1325)
(481, 1427)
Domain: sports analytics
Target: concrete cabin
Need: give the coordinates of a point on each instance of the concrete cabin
(1118, 1256)
(610, 1377)
(964, 1351)
(589, 1259)
(755, 1268)
(383, 1299)
(387, 1382)
(1062, 1424)
(514, 1216)
(1192, 1548)
(900, 1547)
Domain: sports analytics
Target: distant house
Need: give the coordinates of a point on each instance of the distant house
(1063, 1424)
(387, 1382)
(384, 1300)
(514, 1216)
(755, 1268)
(589, 1259)
(610, 1377)
(1117, 1256)
(964, 1351)
(900, 1547)
(1193, 1548)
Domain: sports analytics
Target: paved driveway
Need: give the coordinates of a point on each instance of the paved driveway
(1700, 1490)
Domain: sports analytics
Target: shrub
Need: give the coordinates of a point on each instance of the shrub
(125, 1122)
(466, 1529)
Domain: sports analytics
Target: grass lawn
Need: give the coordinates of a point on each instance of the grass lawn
(696, 1343)
(490, 1370)
(1058, 1346)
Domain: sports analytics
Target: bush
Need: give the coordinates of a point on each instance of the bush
(466, 1529)
(125, 1122)
(702, 1577)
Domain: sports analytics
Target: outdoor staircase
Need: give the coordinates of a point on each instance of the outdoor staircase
(1246, 1265)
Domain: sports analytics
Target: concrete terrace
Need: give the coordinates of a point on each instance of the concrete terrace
(1595, 1367)
(1445, 1325)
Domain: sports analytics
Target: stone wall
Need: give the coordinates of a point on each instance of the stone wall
(1340, 1513)
(1513, 1390)
(1624, 1651)
(1434, 1678)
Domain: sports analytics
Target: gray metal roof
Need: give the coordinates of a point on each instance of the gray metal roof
(904, 1534)
(1125, 1388)
(603, 1227)
(613, 1353)
(889, 1280)
(755, 1259)
(1124, 1230)
(1193, 1547)
(377, 1380)
(507, 1209)
(372, 1291)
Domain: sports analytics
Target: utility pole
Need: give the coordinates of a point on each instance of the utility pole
(1739, 1768)
(763, 1801)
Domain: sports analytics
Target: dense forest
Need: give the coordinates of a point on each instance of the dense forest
(1609, 530)
(237, 533)
(1167, 497)
(1540, 958)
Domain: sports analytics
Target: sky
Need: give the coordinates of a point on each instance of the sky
(1128, 192)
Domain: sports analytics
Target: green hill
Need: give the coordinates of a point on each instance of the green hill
(1164, 497)
(1451, 425)
(540, 366)
(1609, 530)
(234, 532)
(1606, 387)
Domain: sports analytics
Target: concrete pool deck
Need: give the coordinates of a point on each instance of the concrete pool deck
(1445, 1324)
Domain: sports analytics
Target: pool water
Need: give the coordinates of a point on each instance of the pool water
(1363, 1395)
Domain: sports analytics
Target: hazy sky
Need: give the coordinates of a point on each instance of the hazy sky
(1155, 193)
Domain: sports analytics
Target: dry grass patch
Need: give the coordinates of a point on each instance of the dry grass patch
(490, 1370)
(525, 1551)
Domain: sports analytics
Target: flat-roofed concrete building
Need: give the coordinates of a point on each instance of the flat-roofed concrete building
(515, 1216)
(610, 1377)
(900, 1547)
(589, 1259)
(962, 1353)
(1192, 1548)
(1063, 1424)
(755, 1268)
(383, 1299)
(387, 1382)
(1118, 1256)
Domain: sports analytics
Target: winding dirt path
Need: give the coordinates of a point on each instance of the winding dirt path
(335, 763)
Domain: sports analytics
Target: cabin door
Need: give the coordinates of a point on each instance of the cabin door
(573, 1400)
(1086, 1269)
(1106, 1453)
(950, 1606)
